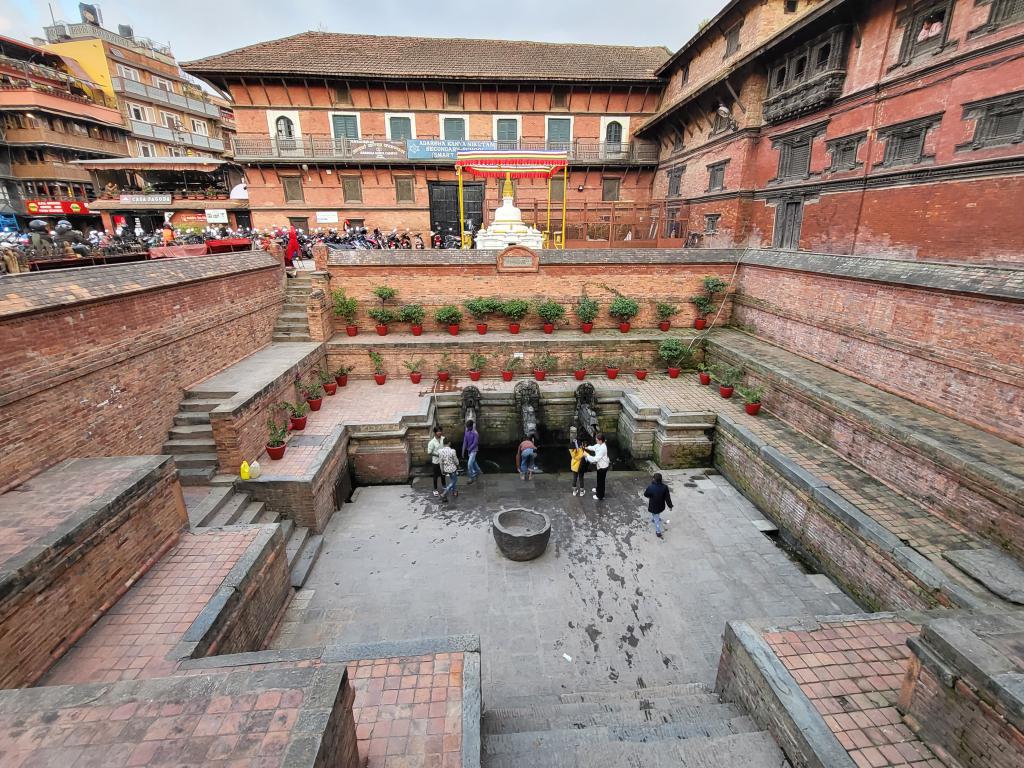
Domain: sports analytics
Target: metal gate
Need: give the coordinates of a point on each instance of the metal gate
(444, 205)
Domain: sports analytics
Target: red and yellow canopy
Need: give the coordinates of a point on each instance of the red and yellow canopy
(519, 164)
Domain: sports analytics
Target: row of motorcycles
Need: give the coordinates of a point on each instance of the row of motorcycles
(360, 238)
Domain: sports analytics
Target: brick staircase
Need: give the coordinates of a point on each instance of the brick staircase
(683, 726)
(292, 324)
(190, 440)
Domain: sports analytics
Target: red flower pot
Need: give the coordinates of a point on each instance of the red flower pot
(315, 403)
(612, 372)
(276, 452)
(442, 375)
(380, 378)
(341, 381)
(580, 375)
(725, 392)
(549, 327)
(513, 327)
(382, 330)
(624, 327)
(641, 373)
(330, 387)
(587, 327)
(453, 330)
(415, 377)
(673, 373)
(351, 330)
(474, 375)
(664, 325)
(540, 375)
(705, 378)
(752, 408)
(506, 375)
(700, 323)
(417, 330)
(481, 328)
(297, 423)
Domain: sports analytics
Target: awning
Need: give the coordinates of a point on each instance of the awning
(540, 163)
(202, 164)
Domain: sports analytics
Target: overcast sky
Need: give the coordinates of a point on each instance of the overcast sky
(197, 28)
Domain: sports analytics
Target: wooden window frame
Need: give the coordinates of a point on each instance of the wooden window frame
(284, 189)
(713, 169)
(341, 94)
(618, 189)
(387, 123)
(344, 193)
(982, 113)
(563, 98)
(897, 135)
(912, 18)
(711, 223)
(449, 116)
(733, 44)
(842, 147)
(412, 189)
(456, 103)
(675, 182)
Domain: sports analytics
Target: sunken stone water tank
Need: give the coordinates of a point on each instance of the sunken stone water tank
(521, 534)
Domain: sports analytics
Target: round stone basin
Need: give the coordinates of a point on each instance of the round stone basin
(521, 534)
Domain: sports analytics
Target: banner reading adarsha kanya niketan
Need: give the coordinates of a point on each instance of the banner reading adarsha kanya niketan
(443, 149)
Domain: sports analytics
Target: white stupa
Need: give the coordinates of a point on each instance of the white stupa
(507, 227)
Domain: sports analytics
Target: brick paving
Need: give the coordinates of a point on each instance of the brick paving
(852, 672)
(135, 637)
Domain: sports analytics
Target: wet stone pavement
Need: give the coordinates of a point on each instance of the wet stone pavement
(608, 605)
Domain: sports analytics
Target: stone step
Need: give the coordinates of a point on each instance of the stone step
(306, 558)
(293, 544)
(553, 720)
(546, 708)
(654, 692)
(196, 475)
(186, 418)
(285, 327)
(294, 306)
(196, 460)
(231, 510)
(268, 516)
(573, 738)
(289, 337)
(287, 526)
(190, 445)
(208, 507)
(292, 315)
(204, 405)
(191, 431)
(223, 479)
(250, 514)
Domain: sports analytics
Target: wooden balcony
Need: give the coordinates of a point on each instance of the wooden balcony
(59, 103)
(50, 172)
(29, 136)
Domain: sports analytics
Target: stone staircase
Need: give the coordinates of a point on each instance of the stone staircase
(683, 726)
(190, 440)
(292, 324)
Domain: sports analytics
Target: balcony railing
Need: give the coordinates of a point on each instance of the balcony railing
(161, 133)
(25, 136)
(47, 171)
(61, 31)
(148, 93)
(258, 147)
(806, 97)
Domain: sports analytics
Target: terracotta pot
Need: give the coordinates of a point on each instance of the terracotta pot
(481, 328)
(673, 373)
(297, 423)
(416, 330)
(612, 372)
(443, 375)
(700, 323)
(513, 327)
(315, 403)
(549, 327)
(276, 452)
(664, 325)
(351, 330)
(506, 375)
(382, 330)
(330, 387)
(587, 327)
(624, 327)
(705, 378)
(641, 373)
(580, 375)
(380, 378)
(752, 408)
(474, 375)
(341, 381)
(540, 375)
(453, 330)
(725, 392)
(415, 377)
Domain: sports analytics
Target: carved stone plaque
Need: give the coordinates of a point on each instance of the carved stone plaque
(518, 258)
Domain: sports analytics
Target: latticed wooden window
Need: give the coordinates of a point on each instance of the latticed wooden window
(795, 158)
(292, 189)
(352, 189)
(716, 176)
(405, 189)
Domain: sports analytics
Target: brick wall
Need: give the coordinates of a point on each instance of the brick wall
(339, 747)
(104, 377)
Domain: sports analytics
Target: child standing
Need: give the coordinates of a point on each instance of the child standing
(576, 452)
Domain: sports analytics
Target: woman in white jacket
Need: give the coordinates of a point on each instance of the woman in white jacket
(600, 459)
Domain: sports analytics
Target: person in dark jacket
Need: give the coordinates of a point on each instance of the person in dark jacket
(659, 497)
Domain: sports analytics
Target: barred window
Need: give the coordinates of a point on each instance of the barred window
(352, 189)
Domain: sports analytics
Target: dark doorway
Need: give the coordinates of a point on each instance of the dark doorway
(789, 216)
(243, 220)
(444, 205)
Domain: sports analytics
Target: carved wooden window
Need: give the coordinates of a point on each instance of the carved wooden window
(732, 40)
(352, 189)
(677, 141)
(341, 94)
(716, 176)
(844, 152)
(711, 223)
(926, 28)
(453, 96)
(998, 121)
(795, 158)
(791, 6)
(560, 98)
(610, 189)
(905, 142)
(720, 123)
(685, 76)
(405, 189)
(292, 186)
(675, 179)
(1006, 12)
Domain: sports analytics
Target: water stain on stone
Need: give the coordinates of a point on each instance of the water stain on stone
(646, 627)
(690, 485)
(593, 633)
(630, 637)
(620, 580)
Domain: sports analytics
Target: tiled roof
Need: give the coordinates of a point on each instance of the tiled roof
(329, 54)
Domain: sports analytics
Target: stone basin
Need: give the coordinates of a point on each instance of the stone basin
(521, 534)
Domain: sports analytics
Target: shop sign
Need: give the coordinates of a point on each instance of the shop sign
(192, 217)
(145, 199)
(444, 149)
(376, 149)
(216, 216)
(45, 207)
(326, 217)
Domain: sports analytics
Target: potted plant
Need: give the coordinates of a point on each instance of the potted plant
(446, 367)
(450, 317)
(383, 316)
(514, 311)
(579, 370)
(211, 193)
(704, 373)
(379, 374)
(312, 393)
(477, 362)
(550, 312)
(676, 356)
(727, 377)
(638, 366)
(623, 309)
(665, 314)
(327, 382)
(346, 307)
(481, 309)
(508, 368)
(276, 436)
(751, 398)
(222, 194)
(611, 367)
(415, 369)
(413, 314)
(586, 310)
(341, 374)
(705, 302)
(296, 415)
(542, 363)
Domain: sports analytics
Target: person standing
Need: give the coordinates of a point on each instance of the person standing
(659, 497)
(577, 451)
(449, 462)
(470, 448)
(525, 456)
(435, 445)
(601, 461)
(293, 250)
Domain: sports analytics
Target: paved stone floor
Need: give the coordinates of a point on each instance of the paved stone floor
(607, 605)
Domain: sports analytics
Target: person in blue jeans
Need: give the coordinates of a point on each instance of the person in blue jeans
(526, 456)
(449, 461)
(659, 497)
(470, 448)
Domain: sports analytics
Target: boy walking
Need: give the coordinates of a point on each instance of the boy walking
(659, 497)
(435, 445)
(470, 447)
(449, 462)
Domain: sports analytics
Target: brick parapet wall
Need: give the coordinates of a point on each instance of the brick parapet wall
(319, 308)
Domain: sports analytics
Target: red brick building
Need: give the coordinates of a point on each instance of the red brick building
(337, 127)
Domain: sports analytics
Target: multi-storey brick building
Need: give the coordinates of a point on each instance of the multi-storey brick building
(50, 116)
(887, 127)
(356, 127)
